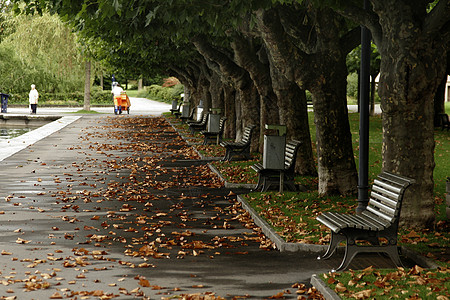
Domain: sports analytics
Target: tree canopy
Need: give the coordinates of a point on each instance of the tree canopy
(40, 50)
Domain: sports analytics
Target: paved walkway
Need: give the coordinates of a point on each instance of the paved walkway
(120, 207)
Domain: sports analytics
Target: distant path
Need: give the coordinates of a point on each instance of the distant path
(139, 106)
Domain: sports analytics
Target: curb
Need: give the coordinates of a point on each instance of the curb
(274, 237)
(322, 287)
(19, 143)
(283, 246)
(226, 183)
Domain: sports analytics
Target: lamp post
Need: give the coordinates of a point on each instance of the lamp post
(363, 178)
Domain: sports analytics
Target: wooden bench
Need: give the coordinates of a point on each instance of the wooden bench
(198, 125)
(378, 221)
(177, 110)
(239, 148)
(211, 136)
(445, 123)
(188, 118)
(281, 178)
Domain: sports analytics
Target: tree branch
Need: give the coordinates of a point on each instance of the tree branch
(351, 39)
(365, 18)
(438, 18)
(227, 65)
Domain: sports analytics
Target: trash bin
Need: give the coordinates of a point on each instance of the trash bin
(4, 101)
(274, 148)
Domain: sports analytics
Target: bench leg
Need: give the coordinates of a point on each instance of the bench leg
(392, 251)
(350, 252)
(227, 154)
(336, 239)
(259, 185)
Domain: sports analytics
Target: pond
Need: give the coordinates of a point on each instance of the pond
(10, 132)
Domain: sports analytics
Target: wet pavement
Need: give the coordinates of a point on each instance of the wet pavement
(120, 207)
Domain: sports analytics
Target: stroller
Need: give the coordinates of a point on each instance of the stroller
(121, 103)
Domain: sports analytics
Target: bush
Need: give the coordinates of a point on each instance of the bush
(98, 97)
(165, 94)
(352, 85)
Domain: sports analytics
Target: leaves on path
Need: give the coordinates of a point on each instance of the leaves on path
(131, 191)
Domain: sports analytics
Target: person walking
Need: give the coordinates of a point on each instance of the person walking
(33, 98)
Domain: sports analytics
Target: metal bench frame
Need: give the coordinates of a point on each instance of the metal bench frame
(379, 220)
(198, 126)
(445, 122)
(177, 110)
(239, 148)
(188, 118)
(270, 177)
(211, 136)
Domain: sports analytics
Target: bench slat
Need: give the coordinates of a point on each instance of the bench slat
(381, 206)
(328, 222)
(376, 219)
(385, 192)
(395, 189)
(337, 221)
(380, 214)
(385, 198)
(345, 219)
(360, 223)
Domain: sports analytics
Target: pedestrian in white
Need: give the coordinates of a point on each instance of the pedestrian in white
(117, 89)
(33, 98)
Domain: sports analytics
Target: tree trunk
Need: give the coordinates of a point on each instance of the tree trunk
(87, 85)
(215, 90)
(372, 95)
(320, 68)
(294, 114)
(247, 57)
(248, 97)
(412, 66)
(140, 84)
(439, 102)
(336, 164)
(229, 95)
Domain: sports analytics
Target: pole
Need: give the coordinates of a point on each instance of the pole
(363, 179)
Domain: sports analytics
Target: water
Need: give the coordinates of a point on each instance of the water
(8, 132)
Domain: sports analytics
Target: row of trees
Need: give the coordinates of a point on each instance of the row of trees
(257, 58)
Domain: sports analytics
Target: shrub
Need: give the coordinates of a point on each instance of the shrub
(98, 97)
(165, 94)
(352, 85)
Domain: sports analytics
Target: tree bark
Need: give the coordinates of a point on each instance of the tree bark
(140, 84)
(439, 102)
(413, 52)
(229, 95)
(294, 114)
(315, 59)
(242, 82)
(373, 90)
(247, 57)
(87, 86)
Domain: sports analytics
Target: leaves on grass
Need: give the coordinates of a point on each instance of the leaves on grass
(372, 283)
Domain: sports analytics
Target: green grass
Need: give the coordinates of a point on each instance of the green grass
(82, 111)
(132, 93)
(293, 214)
(293, 217)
